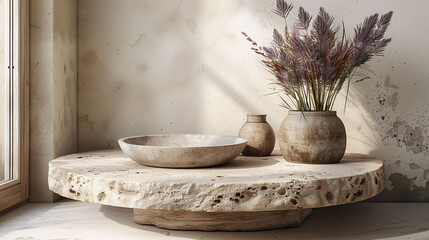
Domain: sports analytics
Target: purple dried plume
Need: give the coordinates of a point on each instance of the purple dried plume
(311, 65)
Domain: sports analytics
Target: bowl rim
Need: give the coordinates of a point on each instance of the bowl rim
(122, 141)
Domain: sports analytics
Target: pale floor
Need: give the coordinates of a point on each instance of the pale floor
(68, 219)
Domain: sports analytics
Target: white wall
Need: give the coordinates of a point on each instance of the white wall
(147, 67)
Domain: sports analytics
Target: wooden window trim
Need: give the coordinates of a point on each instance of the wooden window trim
(16, 190)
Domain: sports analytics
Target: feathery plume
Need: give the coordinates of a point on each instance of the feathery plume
(311, 66)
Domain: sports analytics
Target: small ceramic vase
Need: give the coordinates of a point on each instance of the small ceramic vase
(260, 135)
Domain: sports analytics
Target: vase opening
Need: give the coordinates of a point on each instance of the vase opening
(256, 118)
(319, 113)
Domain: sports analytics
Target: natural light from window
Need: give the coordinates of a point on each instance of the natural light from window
(4, 92)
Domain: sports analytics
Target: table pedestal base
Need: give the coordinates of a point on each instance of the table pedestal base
(221, 221)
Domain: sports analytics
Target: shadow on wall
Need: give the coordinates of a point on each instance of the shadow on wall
(165, 74)
(387, 116)
(122, 93)
(399, 134)
(396, 124)
(182, 69)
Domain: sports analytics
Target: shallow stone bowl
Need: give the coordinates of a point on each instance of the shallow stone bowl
(182, 150)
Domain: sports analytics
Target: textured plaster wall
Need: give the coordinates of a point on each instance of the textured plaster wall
(53, 88)
(65, 77)
(148, 67)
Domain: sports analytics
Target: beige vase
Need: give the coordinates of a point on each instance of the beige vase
(312, 137)
(259, 134)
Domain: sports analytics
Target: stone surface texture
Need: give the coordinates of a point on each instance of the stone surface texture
(182, 150)
(53, 88)
(244, 184)
(209, 78)
(221, 221)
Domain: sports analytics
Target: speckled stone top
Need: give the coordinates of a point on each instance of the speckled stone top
(245, 184)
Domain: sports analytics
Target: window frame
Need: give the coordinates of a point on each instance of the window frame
(16, 190)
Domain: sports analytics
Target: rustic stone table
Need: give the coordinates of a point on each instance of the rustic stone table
(246, 194)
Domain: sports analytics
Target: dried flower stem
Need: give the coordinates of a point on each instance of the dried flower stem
(311, 65)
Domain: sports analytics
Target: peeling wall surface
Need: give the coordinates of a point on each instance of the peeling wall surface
(53, 89)
(182, 66)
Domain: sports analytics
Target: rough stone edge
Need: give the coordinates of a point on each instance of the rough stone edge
(218, 197)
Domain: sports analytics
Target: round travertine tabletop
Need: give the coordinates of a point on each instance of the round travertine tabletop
(257, 185)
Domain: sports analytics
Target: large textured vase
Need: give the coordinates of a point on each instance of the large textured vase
(259, 134)
(312, 137)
